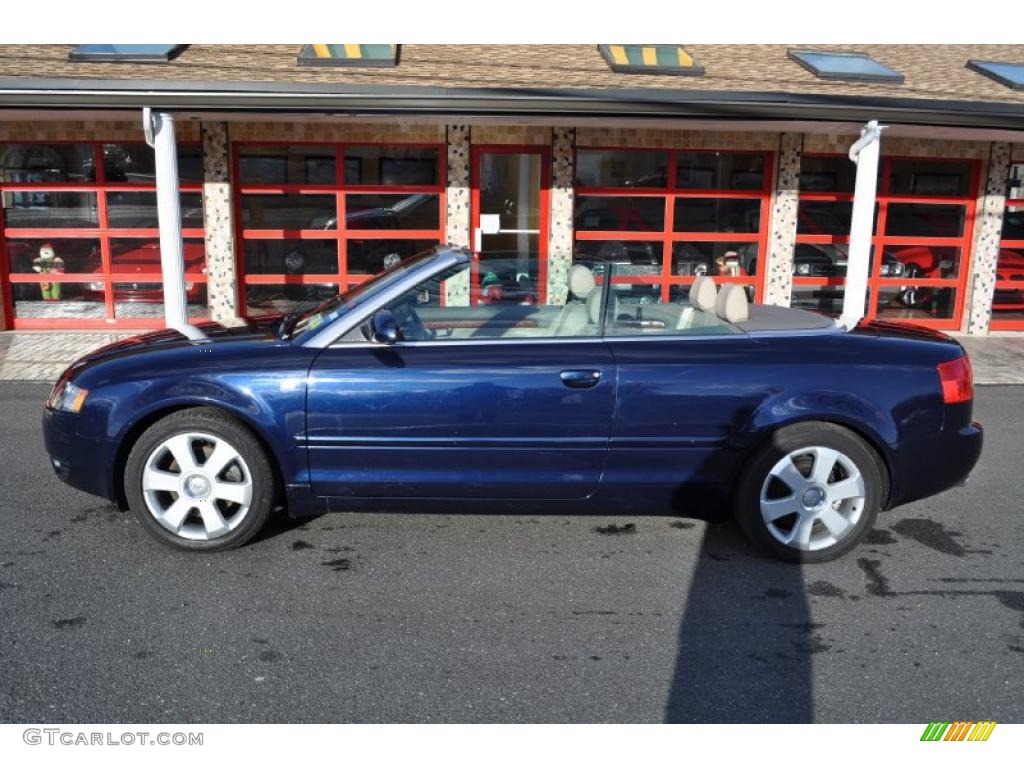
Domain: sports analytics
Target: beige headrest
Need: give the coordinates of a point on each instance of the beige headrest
(594, 305)
(731, 304)
(703, 294)
(581, 281)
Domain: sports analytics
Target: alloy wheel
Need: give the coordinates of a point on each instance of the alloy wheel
(812, 498)
(197, 486)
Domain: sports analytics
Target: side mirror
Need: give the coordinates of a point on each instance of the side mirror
(384, 327)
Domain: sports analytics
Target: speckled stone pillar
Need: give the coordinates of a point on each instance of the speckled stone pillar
(560, 238)
(988, 230)
(457, 221)
(218, 217)
(778, 266)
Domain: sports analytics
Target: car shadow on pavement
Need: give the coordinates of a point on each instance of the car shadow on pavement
(280, 522)
(746, 639)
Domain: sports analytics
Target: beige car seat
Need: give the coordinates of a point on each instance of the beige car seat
(701, 311)
(575, 315)
(732, 305)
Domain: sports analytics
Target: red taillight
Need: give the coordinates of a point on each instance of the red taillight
(956, 378)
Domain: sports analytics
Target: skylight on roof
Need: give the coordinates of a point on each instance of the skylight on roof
(650, 59)
(832, 65)
(1010, 75)
(132, 53)
(349, 55)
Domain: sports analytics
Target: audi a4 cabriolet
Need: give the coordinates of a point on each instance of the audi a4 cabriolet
(405, 393)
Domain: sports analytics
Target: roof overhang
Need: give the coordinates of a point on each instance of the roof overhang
(381, 100)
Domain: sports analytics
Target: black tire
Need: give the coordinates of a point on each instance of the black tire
(214, 422)
(755, 478)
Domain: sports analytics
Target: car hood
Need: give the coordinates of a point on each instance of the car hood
(261, 328)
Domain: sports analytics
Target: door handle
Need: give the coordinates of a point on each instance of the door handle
(580, 379)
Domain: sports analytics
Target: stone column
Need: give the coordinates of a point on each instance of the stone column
(778, 262)
(457, 215)
(988, 230)
(219, 218)
(560, 239)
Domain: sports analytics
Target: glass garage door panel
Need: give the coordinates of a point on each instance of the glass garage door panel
(915, 303)
(272, 298)
(925, 220)
(597, 168)
(72, 255)
(58, 301)
(291, 257)
(619, 214)
(47, 163)
(29, 209)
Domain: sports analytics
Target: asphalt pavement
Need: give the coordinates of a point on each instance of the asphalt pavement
(470, 617)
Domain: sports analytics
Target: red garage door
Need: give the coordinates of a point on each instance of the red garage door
(921, 248)
(79, 236)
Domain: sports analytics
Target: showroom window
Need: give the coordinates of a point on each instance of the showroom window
(667, 216)
(921, 240)
(79, 231)
(316, 219)
(1008, 301)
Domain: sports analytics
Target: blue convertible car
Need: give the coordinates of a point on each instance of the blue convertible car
(420, 390)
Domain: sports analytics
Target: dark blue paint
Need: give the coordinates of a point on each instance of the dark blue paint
(665, 426)
(459, 421)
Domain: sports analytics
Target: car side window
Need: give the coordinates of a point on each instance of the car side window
(497, 300)
(636, 308)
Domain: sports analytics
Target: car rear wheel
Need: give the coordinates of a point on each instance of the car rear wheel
(811, 493)
(199, 480)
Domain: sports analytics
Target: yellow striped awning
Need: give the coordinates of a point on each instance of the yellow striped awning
(349, 54)
(653, 59)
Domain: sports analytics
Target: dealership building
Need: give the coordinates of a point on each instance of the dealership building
(306, 169)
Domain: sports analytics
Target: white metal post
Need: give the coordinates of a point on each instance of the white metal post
(864, 152)
(159, 131)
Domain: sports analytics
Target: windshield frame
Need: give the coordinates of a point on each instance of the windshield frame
(340, 313)
(327, 312)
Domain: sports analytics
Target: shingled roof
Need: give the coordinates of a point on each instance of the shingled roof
(931, 71)
(935, 75)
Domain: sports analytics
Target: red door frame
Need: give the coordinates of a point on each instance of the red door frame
(544, 200)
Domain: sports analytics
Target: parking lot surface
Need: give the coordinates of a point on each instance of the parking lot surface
(470, 617)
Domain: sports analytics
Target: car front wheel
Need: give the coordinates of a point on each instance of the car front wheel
(811, 493)
(199, 480)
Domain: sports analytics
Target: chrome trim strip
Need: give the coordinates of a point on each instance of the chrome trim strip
(599, 442)
(465, 342)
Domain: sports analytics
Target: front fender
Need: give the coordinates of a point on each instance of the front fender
(272, 406)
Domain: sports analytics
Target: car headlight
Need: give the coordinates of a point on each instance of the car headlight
(803, 269)
(896, 268)
(885, 270)
(96, 286)
(67, 397)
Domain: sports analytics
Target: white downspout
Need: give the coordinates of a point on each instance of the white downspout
(159, 131)
(864, 153)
